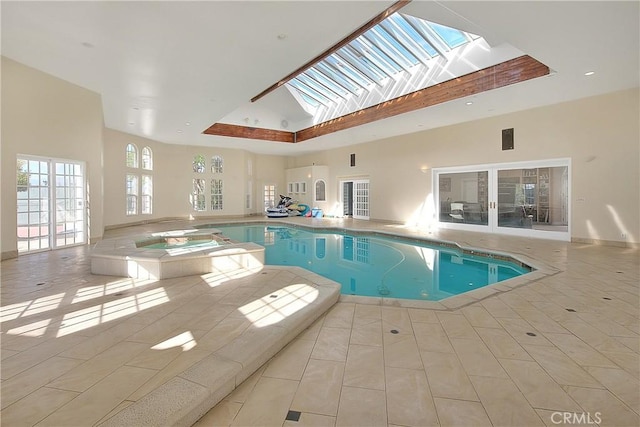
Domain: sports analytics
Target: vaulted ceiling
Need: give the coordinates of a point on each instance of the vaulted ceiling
(169, 70)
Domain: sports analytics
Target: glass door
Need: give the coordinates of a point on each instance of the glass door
(361, 199)
(527, 198)
(50, 204)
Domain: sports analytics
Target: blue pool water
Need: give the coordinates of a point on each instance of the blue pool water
(374, 265)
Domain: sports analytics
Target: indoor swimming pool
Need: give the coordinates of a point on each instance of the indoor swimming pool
(376, 265)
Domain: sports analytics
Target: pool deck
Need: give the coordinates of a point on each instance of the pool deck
(79, 349)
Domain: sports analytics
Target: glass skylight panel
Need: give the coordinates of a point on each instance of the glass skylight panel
(332, 74)
(402, 23)
(399, 43)
(298, 84)
(349, 71)
(392, 47)
(452, 37)
(317, 87)
(362, 64)
(334, 85)
(370, 53)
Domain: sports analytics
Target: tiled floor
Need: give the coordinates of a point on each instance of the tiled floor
(563, 350)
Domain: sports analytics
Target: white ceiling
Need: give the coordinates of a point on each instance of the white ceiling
(161, 64)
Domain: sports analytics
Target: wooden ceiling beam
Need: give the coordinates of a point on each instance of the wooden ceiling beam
(336, 47)
(504, 74)
(223, 129)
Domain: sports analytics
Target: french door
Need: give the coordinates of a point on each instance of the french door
(50, 203)
(527, 198)
(355, 198)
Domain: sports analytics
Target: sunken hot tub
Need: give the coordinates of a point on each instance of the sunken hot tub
(175, 253)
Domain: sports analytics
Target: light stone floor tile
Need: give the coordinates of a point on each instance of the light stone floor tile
(311, 420)
(409, 399)
(504, 403)
(269, 403)
(361, 407)
(561, 368)
(591, 354)
(479, 317)
(582, 353)
(40, 375)
(620, 384)
(93, 370)
(456, 325)
(340, 316)
(291, 361)
(319, 390)
(100, 399)
(36, 406)
(537, 386)
(447, 377)
(477, 359)
(401, 351)
(422, 316)
(366, 331)
(432, 337)
(173, 369)
(460, 413)
(220, 416)
(396, 318)
(612, 411)
(365, 367)
(332, 344)
(502, 344)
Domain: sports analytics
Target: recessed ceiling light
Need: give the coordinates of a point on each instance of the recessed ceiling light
(136, 108)
(188, 123)
(469, 103)
(87, 45)
(282, 36)
(131, 123)
(589, 73)
(179, 130)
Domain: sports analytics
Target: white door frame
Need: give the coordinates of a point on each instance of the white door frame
(492, 226)
(361, 208)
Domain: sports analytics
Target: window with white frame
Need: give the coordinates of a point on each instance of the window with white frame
(197, 195)
(269, 196)
(139, 188)
(216, 164)
(216, 194)
(132, 156)
(132, 194)
(199, 163)
(147, 195)
(147, 159)
(321, 194)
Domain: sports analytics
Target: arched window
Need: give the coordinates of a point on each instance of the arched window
(147, 159)
(132, 156)
(216, 164)
(321, 194)
(198, 163)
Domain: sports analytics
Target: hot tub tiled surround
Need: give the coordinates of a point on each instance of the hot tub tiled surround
(132, 256)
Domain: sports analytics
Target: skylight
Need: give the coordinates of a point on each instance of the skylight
(395, 49)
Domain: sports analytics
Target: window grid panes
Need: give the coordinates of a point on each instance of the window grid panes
(132, 156)
(33, 205)
(320, 191)
(198, 163)
(216, 164)
(216, 194)
(147, 194)
(132, 194)
(198, 195)
(147, 159)
(269, 196)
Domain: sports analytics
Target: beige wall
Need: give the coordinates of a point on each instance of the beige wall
(173, 174)
(45, 116)
(599, 134)
(48, 117)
